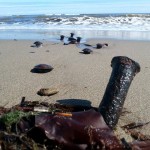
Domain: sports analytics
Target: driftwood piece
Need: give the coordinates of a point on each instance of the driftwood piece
(123, 71)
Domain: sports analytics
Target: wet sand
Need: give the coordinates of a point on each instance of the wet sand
(81, 79)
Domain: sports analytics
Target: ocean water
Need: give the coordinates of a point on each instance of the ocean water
(119, 26)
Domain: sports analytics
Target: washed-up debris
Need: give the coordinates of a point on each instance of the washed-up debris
(37, 44)
(140, 145)
(42, 68)
(130, 128)
(71, 39)
(135, 125)
(123, 71)
(57, 129)
(89, 46)
(47, 91)
(138, 136)
(99, 45)
(87, 51)
(61, 127)
(33, 125)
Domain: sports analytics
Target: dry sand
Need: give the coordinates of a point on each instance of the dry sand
(79, 78)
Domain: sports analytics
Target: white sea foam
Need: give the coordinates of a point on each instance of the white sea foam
(69, 22)
(61, 21)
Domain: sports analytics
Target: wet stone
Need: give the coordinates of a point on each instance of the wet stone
(42, 68)
(47, 91)
(87, 51)
(37, 44)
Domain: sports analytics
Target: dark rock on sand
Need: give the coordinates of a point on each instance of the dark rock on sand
(71, 39)
(37, 44)
(47, 91)
(98, 46)
(42, 68)
(87, 51)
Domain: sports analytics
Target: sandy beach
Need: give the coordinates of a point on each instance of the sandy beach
(81, 79)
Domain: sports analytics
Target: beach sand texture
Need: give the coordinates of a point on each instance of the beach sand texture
(80, 78)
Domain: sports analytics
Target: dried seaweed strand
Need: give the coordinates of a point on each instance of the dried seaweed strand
(139, 136)
(134, 125)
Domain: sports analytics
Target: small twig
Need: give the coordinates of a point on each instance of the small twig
(17, 138)
(134, 125)
(139, 136)
(125, 111)
(126, 145)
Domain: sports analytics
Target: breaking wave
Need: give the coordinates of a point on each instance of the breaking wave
(123, 22)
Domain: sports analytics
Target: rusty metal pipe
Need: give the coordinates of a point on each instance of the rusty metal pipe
(123, 71)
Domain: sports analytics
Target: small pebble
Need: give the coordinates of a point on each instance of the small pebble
(47, 91)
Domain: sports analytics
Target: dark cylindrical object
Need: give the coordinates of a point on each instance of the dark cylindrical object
(78, 39)
(62, 37)
(73, 41)
(123, 71)
(71, 34)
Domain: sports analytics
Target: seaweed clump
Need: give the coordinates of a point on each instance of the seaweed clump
(13, 117)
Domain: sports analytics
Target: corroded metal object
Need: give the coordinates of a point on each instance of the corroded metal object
(124, 70)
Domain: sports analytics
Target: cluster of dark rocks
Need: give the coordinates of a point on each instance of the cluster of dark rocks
(77, 40)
